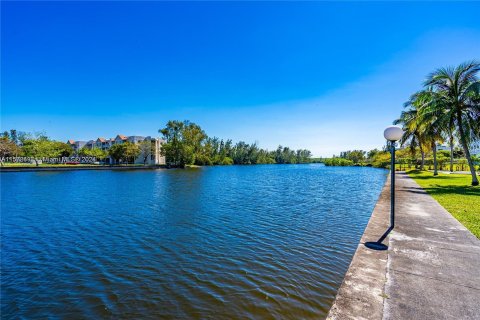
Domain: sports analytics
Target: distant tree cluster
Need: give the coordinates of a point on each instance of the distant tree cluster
(355, 156)
(187, 144)
(404, 158)
(38, 145)
(93, 152)
(337, 161)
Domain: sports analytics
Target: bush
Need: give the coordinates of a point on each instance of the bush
(338, 162)
(203, 160)
(227, 161)
(381, 160)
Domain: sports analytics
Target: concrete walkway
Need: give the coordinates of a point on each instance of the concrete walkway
(431, 269)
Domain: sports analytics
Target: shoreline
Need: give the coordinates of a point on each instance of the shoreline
(361, 293)
(80, 167)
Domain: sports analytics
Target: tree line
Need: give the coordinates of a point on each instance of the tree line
(38, 145)
(186, 143)
(404, 158)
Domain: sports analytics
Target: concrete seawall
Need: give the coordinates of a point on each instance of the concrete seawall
(361, 294)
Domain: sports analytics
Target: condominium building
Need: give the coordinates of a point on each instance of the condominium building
(442, 147)
(154, 157)
(475, 149)
(76, 145)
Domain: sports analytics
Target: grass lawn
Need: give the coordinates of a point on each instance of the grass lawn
(455, 193)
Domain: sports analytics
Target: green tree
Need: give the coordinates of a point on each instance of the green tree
(372, 153)
(37, 146)
(356, 156)
(381, 159)
(338, 162)
(116, 152)
(8, 148)
(193, 142)
(413, 136)
(456, 99)
(227, 161)
(126, 152)
(431, 127)
(146, 150)
(173, 149)
(61, 149)
(94, 152)
(130, 151)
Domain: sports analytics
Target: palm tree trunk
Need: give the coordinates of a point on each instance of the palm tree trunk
(463, 142)
(422, 164)
(434, 148)
(451, 153)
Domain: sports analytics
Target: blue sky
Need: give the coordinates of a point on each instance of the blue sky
(327, 76)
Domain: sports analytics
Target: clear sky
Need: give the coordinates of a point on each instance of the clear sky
(327, 76)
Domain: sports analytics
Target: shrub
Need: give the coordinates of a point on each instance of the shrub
(338, 162)
(227, 161)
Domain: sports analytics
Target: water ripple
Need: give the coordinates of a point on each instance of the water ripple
(249, 242)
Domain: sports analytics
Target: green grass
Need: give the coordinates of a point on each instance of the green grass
(455, 193)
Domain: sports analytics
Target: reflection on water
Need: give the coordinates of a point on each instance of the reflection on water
(269, 241)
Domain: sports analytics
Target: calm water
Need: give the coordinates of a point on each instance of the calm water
(256, 242)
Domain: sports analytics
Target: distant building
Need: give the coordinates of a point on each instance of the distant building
(119, 139)
(135, 139)
(475, 148)
(76, 145)
(90, 144)
(102, 143)
(442, 147)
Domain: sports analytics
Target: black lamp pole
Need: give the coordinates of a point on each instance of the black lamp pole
(378, 245)
(391, 134)
(392, 186)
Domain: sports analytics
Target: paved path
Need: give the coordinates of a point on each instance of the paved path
(431, 269)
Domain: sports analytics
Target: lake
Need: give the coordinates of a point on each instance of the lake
(231, 242)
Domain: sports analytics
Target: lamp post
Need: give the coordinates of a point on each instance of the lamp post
(392, 134)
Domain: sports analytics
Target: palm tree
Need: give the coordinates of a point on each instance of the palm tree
(432, 132)
(410, 121)
(455, 99)
(451, 142)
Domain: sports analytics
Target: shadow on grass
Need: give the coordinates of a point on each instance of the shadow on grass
(432, 177)
(446, 190)
(426, 175)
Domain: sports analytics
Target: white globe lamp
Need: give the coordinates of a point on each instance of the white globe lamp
(393, 133)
